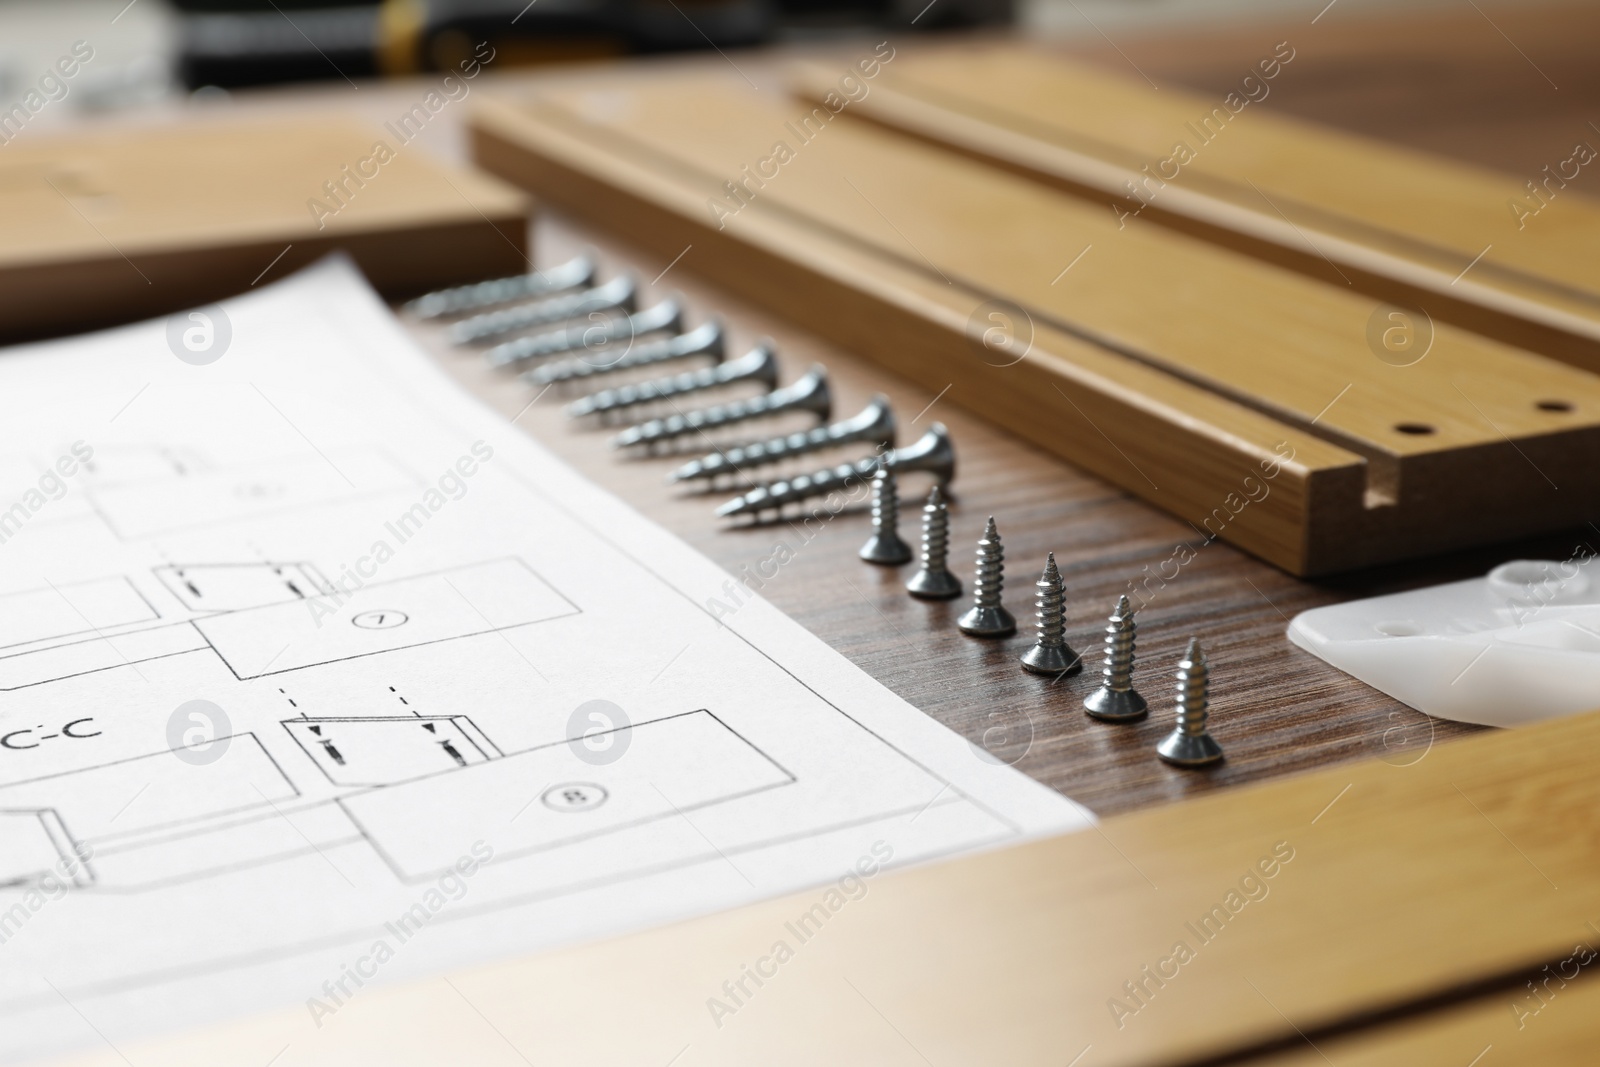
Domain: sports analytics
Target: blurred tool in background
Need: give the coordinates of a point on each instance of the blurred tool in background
(248, 42)
(146, 50)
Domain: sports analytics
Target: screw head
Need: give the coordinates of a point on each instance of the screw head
(886, 548)
(934, 585)
(987, 622)
(1186, 751)
(1115, 705)
(1042, 659)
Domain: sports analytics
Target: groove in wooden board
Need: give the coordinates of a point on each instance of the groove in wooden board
(1413, 223)
(156, 219)
(1499, 489)
(1381, 881)
(1510, 1026)
(1417, 202)
(1137, 410)
(1531, 318)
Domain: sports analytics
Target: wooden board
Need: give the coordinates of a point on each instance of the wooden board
(898, 250)
(1470, 246)
(107, 227)
(1356, 892)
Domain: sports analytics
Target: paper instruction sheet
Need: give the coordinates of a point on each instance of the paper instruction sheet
(315, 674)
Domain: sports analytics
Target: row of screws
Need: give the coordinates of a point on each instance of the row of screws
(585, 322)
(1116, 700)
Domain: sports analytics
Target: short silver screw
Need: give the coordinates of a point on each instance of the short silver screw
(933, 581)
(885, 545)
(1189, 745)
(1116, 700)
(1050, 653)
(988, 617)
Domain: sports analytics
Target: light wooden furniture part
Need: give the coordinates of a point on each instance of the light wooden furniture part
(1512, 259)
(112, 226)
(1248, 399)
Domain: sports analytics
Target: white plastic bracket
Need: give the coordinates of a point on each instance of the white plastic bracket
(1519, 645)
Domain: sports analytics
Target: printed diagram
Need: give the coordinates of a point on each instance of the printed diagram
(417, 789)
(314, 652)
(198, 814)
(143, 492)
(550, 796)
(236, 586)
(84, 816)
(382, 751)
(291, 618)
(35, 846)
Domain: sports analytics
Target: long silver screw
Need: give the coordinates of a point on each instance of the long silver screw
(933, 580)
(988, 617)
(885, 545)
(874, 424)
(932, 452)
(809, 393)
(759, 365)
(707, 339)
(1116, 700)
(619, 294)
(1050, 653)
(1189, 745)
(462, 298)
(597, 335)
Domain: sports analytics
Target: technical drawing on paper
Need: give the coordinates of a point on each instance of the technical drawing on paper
(306, 645)
(301, 629)
(200, 813)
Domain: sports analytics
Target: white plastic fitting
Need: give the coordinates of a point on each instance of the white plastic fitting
(1519, 645)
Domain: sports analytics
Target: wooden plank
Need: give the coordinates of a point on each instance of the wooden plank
(1462, 429)
(114, 226)
(1401, 225)
(1301, 906)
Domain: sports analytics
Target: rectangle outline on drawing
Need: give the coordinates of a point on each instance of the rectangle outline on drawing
(413, 878)
(201, 623)
(476, 737)
(88, 627)
(266, 801)
(70, 861)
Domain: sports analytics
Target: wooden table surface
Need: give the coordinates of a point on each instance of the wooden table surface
(1423, 79)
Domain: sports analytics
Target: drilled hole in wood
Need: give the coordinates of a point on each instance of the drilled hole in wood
(1553, 405)
(1416, 429)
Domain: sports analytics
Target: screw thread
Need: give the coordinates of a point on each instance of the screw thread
(658, 389)
(806, 394)
(935, 532)
(991, 567)
(931, 453)
(885, 503)
(1049, 603)
(1193, 682)
(1120, 630)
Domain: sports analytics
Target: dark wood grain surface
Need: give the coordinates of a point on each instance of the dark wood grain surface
(1446, 81)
